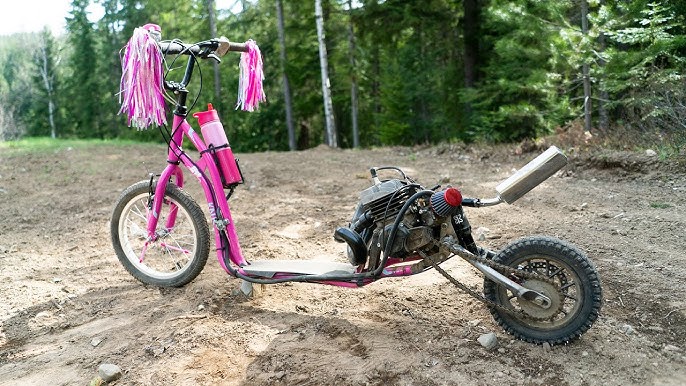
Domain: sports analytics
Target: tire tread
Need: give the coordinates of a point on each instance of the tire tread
(592, 291)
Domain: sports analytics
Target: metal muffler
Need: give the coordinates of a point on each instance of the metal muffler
(531, 175)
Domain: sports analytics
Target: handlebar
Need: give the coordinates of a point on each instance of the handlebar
(144, 68)
(208, 49)
(213, 48)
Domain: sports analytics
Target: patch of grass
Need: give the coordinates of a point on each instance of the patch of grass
(670, 150)
(669, 145)
(36, 144)
(660, 205)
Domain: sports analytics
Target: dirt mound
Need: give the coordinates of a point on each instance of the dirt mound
(69, 306)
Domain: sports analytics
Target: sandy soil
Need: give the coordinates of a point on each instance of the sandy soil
(68, 306)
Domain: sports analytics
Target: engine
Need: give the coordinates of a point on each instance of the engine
(375, 225)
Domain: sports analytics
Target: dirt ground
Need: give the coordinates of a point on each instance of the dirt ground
(67, 305)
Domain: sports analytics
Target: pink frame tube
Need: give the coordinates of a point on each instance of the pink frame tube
(213, 189)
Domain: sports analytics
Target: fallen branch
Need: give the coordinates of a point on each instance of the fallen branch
(668, 314)
(194, 317)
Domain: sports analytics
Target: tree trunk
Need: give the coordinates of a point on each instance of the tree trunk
(585, 70)
(603, 118)
(48, 84)
(471, 41)
(470, 31)
(286, 85)
(326, 87)
(353, 78)
(376, 83)
(212, 13)
(51, 118)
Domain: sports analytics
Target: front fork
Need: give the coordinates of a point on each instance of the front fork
(156, 200)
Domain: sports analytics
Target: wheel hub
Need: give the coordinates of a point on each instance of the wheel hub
(536, 311)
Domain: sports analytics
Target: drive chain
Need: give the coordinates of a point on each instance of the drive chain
(506, 270)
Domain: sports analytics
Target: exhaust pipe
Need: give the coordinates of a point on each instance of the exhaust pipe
(531, 175)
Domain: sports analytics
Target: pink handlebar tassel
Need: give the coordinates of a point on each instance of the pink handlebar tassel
(250, 92)
(141, 94)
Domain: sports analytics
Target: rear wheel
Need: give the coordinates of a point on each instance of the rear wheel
(180, 247)
(567, 278)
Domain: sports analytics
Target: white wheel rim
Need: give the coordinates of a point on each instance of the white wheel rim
(170, 255)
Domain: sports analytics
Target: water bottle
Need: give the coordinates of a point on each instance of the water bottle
(218, 145)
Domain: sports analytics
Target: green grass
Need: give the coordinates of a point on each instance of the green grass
(35, 144)
(660, 205)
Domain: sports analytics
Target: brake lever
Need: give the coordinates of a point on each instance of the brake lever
(214, 57)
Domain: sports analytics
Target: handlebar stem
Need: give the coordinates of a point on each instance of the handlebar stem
(180, 90)
(189, 71)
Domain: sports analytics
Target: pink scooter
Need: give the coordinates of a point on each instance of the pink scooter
(539, 289)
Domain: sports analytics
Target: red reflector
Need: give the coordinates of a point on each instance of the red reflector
(453, 197)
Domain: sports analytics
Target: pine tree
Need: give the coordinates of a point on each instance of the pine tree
(645, 63)
(523, 91)
(82, 85)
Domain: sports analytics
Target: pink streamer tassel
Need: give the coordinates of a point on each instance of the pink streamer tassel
(141, 90)
(250, 92)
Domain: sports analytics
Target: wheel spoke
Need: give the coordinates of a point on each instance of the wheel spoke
(564, 287)
(177, 248)
(557, 271)
(568, 296)
(142, 213)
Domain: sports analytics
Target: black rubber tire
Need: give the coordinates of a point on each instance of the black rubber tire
(133, 200)
(587, 296)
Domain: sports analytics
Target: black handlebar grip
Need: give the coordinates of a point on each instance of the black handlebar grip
(171, 48)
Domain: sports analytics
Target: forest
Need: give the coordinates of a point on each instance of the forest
(398, 72)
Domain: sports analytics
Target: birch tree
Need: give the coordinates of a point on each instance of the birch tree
(331, 135)
(47, 74)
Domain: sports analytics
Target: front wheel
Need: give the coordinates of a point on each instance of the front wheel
(177, 252)
(562, 273)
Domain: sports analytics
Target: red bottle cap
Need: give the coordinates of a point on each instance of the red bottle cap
(207, 116)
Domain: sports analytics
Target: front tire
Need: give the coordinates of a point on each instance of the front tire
(180, 248)
(575, 291)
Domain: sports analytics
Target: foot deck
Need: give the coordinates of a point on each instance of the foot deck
(268, 268)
